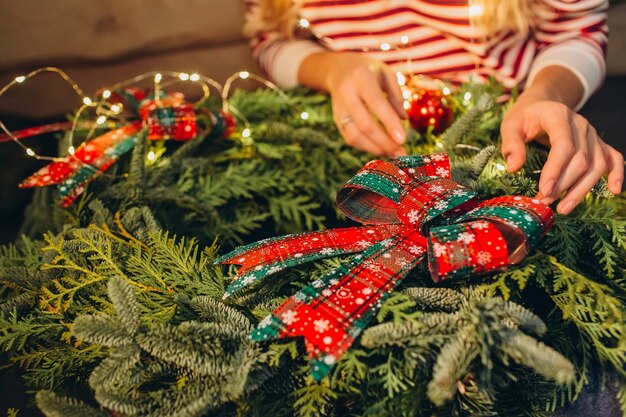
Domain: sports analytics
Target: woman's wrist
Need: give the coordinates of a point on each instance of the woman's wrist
(554, 83)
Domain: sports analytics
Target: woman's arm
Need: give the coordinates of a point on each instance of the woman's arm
(569, 66)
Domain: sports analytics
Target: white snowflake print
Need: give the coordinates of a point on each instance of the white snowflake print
(289, 317)
(321, 325)
(411, 170)
(528, 217)
(258, 268)
(386, 242)
(401, 262)
(373, 267)
(416, 250)
(459, 193)
(300, 296)
(466, 238)
(438, 250)
(441, 205)
(366, 291)
(359, 301)
(326, 251)
(316, 283)
(241, 260)
(363, 244)
(274, 269)
(327, 292)
(483, 258)
(437, 188)
(413, 216)
(427, 160)
(437, 157)
(480, 225)
(442, 172)
(386, 255)
(536, 201)
(265, 322)
(298, 255)
(333, 281)
(248, 279)
(315, 239)
(517, 198)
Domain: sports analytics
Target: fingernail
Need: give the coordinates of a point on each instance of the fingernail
(507, 160)
(568, 206)
(618, 185)
(548, 188)
(399, 136)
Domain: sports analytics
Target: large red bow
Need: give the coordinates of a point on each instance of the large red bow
(412, 211)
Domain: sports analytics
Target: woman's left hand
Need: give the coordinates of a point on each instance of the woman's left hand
(578, 158)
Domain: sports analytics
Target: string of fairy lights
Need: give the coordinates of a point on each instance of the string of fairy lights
(108, 114)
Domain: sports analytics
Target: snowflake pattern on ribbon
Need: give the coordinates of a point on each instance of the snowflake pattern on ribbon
(412, 212)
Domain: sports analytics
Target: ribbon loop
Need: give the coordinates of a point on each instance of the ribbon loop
(416, 211)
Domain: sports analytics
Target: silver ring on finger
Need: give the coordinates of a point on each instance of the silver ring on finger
(345, 120)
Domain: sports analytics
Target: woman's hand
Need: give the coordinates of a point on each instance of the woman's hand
(578, 157)
(366, 99)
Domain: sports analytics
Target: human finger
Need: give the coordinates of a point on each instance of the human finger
(513, 143)
(598, 165)
(394, 94)
(586, 143)
(564, 145)
(373, 96)
(616, 170)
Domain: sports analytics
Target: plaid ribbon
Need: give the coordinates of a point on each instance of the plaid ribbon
(412, 212)
(169, 117)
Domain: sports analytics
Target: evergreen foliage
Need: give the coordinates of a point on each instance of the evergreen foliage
(120, 294)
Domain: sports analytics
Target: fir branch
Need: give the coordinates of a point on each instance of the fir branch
(53, 405)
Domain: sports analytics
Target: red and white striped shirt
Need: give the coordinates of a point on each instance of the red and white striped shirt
(435, 38)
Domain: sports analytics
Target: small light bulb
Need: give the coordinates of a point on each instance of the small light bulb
(446, 91)
(475, 10)
(439, 145)
(406, 94)
(194, 77)
(157, 77)
(87, 101)
(467, 96)
(20, 79)
(304, 115)
(115, 108)
(101, 120)
(401, 78)
(304, 23)
(183, 76)
(245, 133)
(71, 150)
(385, 46)
(151, 156)
(106, 94)
(404, 40)
(406, 105)
(30, 152)
(244, 74)
(500, 167)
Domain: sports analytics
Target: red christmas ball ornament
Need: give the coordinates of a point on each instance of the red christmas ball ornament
(428, 105)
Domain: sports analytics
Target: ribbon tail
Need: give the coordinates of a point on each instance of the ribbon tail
(332, 312)
(72, 188)
(269, 256)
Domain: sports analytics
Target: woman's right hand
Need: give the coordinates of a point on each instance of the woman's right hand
(366, 100)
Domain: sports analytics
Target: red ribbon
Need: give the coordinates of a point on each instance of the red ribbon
(412, 211)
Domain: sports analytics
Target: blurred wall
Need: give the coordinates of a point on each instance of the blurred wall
(99, 42)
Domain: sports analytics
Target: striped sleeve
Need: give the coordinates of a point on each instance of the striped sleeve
(573, 34)
(278, 58)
